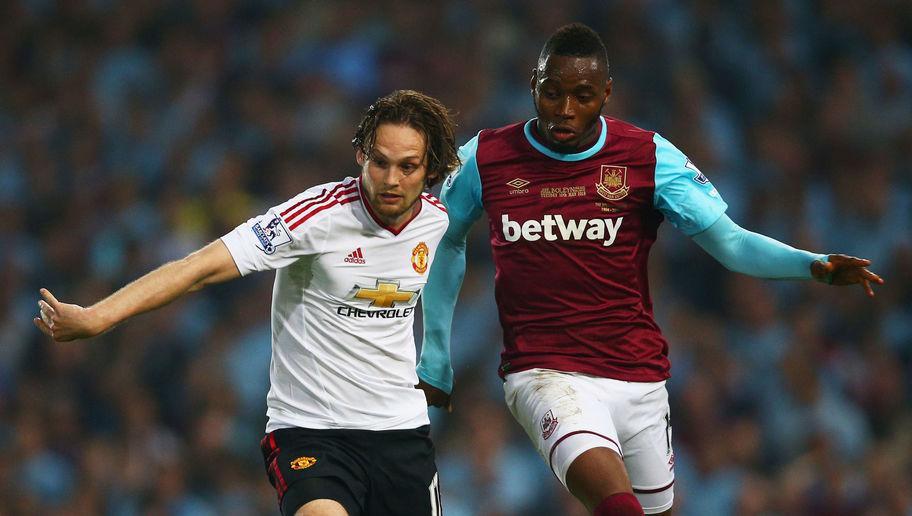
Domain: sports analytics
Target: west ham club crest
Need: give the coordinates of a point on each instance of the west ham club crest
(548, 424)
(612, 183)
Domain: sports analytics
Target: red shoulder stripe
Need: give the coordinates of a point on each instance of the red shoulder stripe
(322, 200)
(322, 195)
(434, 201)
(337, 201)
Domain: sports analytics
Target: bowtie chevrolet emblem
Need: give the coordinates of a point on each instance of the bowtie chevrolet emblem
(385, 295)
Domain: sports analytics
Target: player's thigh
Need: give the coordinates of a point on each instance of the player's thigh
(307, 465)
(322, 507)
(647, 442)
(404, 479)
(561, 416)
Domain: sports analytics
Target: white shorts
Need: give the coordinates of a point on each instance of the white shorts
(566, 414)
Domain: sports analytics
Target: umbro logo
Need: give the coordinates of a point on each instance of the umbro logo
(355, 256)
(518, 186)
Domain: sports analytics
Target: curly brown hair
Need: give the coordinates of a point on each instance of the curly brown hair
(422, 113)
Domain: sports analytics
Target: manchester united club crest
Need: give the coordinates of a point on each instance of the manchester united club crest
(612, 183)
(420, 258)
(303, 462)
(548, 424)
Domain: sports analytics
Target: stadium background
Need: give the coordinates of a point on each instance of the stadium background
(134, 132)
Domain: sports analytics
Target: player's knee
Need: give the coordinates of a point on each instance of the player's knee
(322, 507)
(596, 475)
(619, 504)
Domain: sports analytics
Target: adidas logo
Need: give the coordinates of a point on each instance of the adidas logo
(355, 257)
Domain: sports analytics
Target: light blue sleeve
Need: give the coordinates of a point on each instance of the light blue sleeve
(461, 194)
(754, 254)
(682, 193)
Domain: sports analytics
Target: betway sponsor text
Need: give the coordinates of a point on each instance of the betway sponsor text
(554, 227)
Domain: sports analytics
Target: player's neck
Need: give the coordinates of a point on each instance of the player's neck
(399, 222)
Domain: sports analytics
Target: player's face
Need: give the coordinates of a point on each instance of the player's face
(569, 94)
(394, 173)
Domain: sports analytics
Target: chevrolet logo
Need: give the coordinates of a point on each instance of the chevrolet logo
(385, 295)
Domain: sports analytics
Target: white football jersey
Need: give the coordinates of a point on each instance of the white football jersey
(343, 305)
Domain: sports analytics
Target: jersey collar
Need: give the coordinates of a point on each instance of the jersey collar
(578, 156)
(370, 211)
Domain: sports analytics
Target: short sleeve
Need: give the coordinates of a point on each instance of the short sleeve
(461, 192)
(270, 242)
(682, 193)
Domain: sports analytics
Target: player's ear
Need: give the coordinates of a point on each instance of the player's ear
(360, 158)
(533, 80)
(431, 179)
(607, 93)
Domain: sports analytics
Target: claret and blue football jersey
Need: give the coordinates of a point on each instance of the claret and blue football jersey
(571, 235)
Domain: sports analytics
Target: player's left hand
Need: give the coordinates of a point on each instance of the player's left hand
(435, 397)
(840, 269)
(64, 321)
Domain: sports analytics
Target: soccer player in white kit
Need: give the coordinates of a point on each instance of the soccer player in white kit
(347, 431)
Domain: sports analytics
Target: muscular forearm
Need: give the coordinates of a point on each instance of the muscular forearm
(65, 322)
(211, 264)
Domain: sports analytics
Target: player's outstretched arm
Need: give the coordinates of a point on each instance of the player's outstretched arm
(64, 322)
(840, 269)
(760, 256)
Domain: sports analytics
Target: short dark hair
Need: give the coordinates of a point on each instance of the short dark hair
(575, 40)
(421, 112)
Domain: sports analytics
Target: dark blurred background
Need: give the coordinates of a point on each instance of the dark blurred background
(133, 132)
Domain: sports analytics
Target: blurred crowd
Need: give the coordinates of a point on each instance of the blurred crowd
(133, 132)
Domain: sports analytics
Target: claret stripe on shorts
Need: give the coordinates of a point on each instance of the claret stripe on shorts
(616, 448)
(653, 491)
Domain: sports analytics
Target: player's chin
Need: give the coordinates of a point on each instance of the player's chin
(565, 146)
(391, 210)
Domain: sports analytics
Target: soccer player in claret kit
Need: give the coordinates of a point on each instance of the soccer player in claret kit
(347, 431)
(574, 200)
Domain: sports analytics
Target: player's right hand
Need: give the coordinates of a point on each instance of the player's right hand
(63, 321)
(435, 397)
